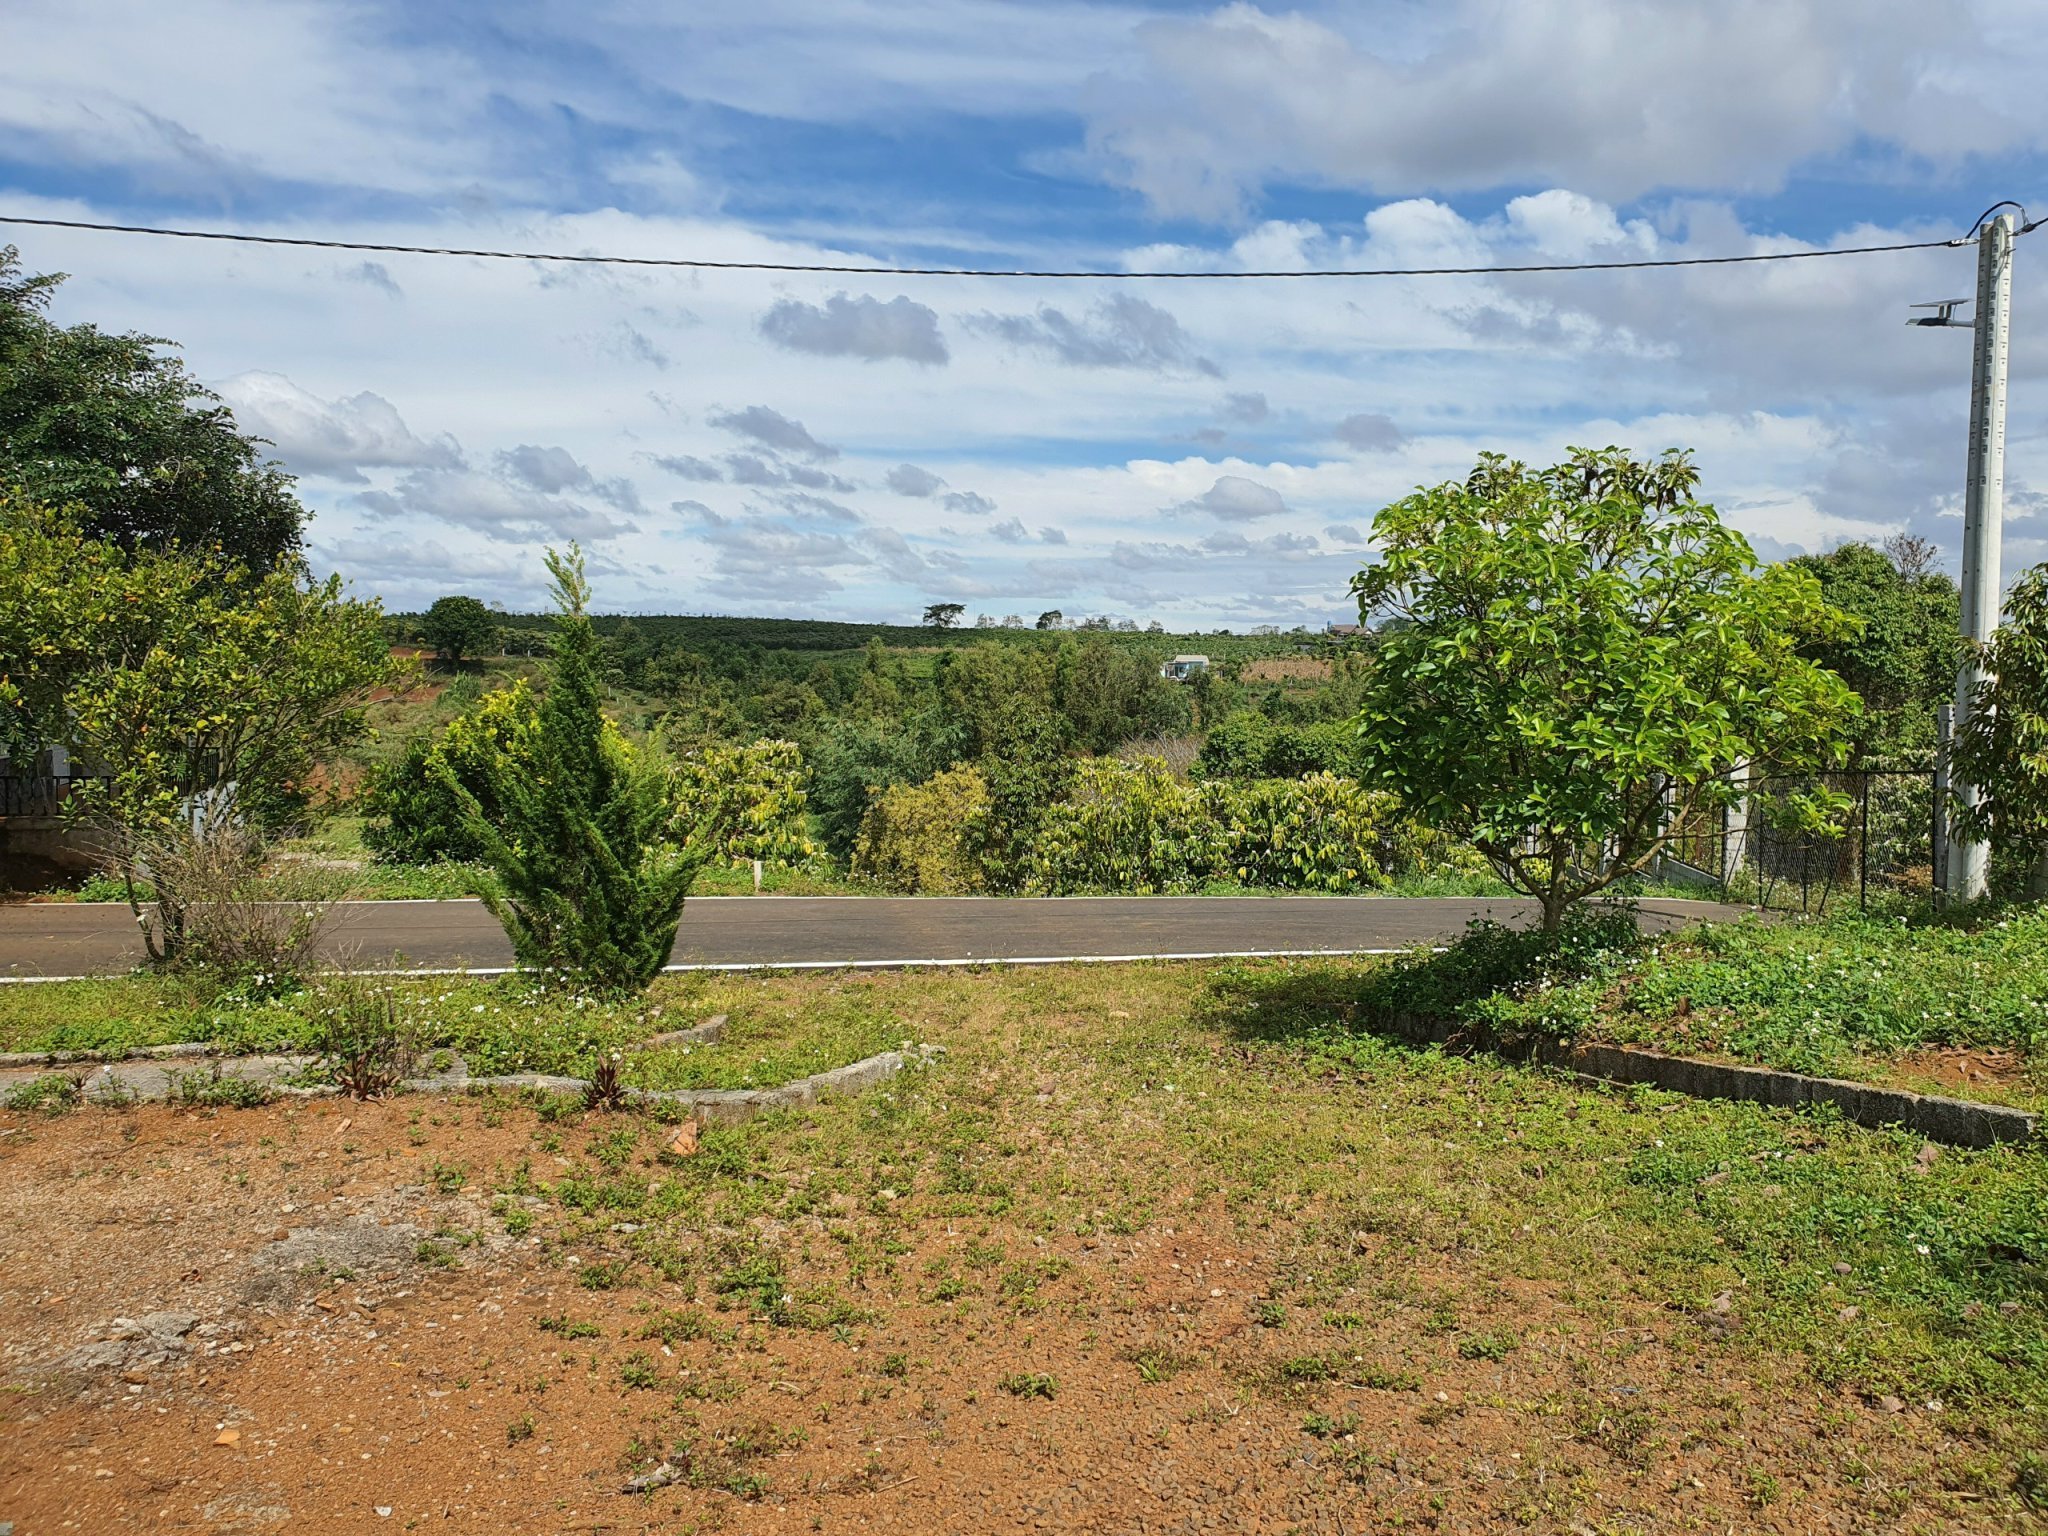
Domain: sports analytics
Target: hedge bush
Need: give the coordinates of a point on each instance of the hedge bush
(925, 837)
(1247, 745)
(1135, 827)
(412, 819)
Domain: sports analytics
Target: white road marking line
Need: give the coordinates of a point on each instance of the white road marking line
(839, 965)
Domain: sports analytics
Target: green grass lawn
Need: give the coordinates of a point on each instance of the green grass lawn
(1955, 1007)
(500, 1025)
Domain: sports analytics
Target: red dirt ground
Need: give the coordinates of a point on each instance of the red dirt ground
(299, 1401)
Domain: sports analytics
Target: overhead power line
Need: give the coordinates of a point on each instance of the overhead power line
(847, 268)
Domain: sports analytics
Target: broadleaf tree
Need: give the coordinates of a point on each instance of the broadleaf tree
(113, 424)
(178, 681)
(458, 628)
(1574, 662)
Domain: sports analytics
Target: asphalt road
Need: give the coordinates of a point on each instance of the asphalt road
(94, 939)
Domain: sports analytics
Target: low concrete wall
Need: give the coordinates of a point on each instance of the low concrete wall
(47, 840)
(1955, 1122)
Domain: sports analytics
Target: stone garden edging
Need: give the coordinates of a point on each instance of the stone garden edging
(713, 1106)
(1956, 1122)
(708, 1033)
(146, 1080)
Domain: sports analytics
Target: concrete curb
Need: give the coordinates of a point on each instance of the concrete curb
(198, 1049)
(708, 1033)
(714, 1106)
(1955, 1122)
(719, 1106)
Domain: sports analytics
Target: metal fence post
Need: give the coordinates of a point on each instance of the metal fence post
(1938, 852)
(1863, 851)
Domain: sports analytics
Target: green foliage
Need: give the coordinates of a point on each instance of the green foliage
(213, 1088)
(1506, 984)
(1826, 997)
(1028, 774)
(851, 760)
(114, 426)
(1030, 1384)
(413, 818)
(733, 803)
(2003, 744)
(921, 837)
(1577, 659)
(1110, 693)
(1135, 827)
(1901, 658)
(175, 674)
(1495, 1345)
(745, 802)
(368, 1042)
(1809, 996)
(1248, 745)
(53, 1093)
(1117, 826)
(457, 627)
(590, 868)
(1130, 827)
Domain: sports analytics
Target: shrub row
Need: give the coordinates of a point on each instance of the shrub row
(1136, 827)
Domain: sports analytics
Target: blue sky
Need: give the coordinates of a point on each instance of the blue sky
(1204, 454)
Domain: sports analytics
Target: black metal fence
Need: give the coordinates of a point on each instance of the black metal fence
(1868, 837)
(38, 794)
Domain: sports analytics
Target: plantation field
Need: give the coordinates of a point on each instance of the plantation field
(1150, 1247)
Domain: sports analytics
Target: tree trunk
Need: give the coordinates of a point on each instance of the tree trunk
(2037, 877)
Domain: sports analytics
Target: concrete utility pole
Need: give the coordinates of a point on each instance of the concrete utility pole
(1969, 864)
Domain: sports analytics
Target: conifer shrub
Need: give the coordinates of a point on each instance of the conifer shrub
(589, 865)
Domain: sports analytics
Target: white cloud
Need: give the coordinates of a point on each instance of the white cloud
(1234, 498)
(1817, 414)
(338, 439)
(689, 467)
(910, 480)
(1476, 94)
(551, 471)
(772, 429)
(494, 506)
(1370, 432)
(1121, 331)
(755, 469)
(863, 327)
